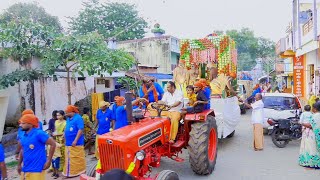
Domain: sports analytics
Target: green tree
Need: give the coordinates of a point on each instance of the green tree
(19, 75)
(266, 52)
(243, 59)
(84, 54)
(31, 11)
(110, 20)
(246, 44)
(24, 39)
(129, 83)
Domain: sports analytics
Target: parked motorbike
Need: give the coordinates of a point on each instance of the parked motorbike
(285, 130)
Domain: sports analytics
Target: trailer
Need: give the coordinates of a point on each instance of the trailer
(216, 57)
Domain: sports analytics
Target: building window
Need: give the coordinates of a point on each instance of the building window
(100, 81)
(81, 78)
(107, 83)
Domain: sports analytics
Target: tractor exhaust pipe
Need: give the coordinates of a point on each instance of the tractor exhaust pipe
(128, 97)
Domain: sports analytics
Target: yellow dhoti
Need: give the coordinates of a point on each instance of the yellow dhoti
(75, 162)
(33, 176)
(258, 139)
(174, 116)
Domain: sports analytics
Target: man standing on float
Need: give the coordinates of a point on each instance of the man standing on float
(180, 77)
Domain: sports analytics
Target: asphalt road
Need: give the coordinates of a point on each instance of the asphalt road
(237, 160)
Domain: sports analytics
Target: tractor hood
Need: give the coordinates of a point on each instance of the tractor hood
(139, 134)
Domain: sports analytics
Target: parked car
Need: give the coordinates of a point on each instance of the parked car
(279, 106)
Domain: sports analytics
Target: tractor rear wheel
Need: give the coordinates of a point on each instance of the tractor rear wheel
(203, 146)
(92, 170)
(167, 175)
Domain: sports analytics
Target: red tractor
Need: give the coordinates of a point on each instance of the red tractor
(140, 145)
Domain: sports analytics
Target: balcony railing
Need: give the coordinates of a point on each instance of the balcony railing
(307, 27)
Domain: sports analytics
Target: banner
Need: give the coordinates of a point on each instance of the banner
(298, 76)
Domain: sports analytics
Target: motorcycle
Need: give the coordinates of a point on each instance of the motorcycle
(285, 130)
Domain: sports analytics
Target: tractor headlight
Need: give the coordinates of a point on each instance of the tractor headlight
(140, 155)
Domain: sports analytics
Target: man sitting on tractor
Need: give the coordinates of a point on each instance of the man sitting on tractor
(151, 91)
(173, 98)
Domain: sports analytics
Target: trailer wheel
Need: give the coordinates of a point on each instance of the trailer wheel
(203, 146)
(167, 175)
(92, 170)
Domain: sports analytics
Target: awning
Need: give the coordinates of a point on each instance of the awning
(287, 54)
(159, 75)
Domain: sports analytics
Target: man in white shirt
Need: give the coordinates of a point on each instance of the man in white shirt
(257, 121)
(174, 99)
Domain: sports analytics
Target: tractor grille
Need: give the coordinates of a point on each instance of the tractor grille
(111, 157)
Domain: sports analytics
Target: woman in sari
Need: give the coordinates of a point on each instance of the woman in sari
(60, 126)
(310, 144)
(75, 162)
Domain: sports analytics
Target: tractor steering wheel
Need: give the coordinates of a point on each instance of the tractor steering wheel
(160, 108)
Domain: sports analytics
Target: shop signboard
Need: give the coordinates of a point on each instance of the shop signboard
(298, 76)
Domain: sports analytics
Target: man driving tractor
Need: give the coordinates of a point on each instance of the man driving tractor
(173, 98)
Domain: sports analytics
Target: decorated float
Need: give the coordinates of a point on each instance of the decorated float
(215, 59)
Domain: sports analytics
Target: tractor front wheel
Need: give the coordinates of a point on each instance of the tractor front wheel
(203, 146)
(167, 175)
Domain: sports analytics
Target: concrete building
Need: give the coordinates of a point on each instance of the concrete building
(302, 47)
(155, 54)
(45, 95)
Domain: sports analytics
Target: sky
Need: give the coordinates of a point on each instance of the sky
(192, 18)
